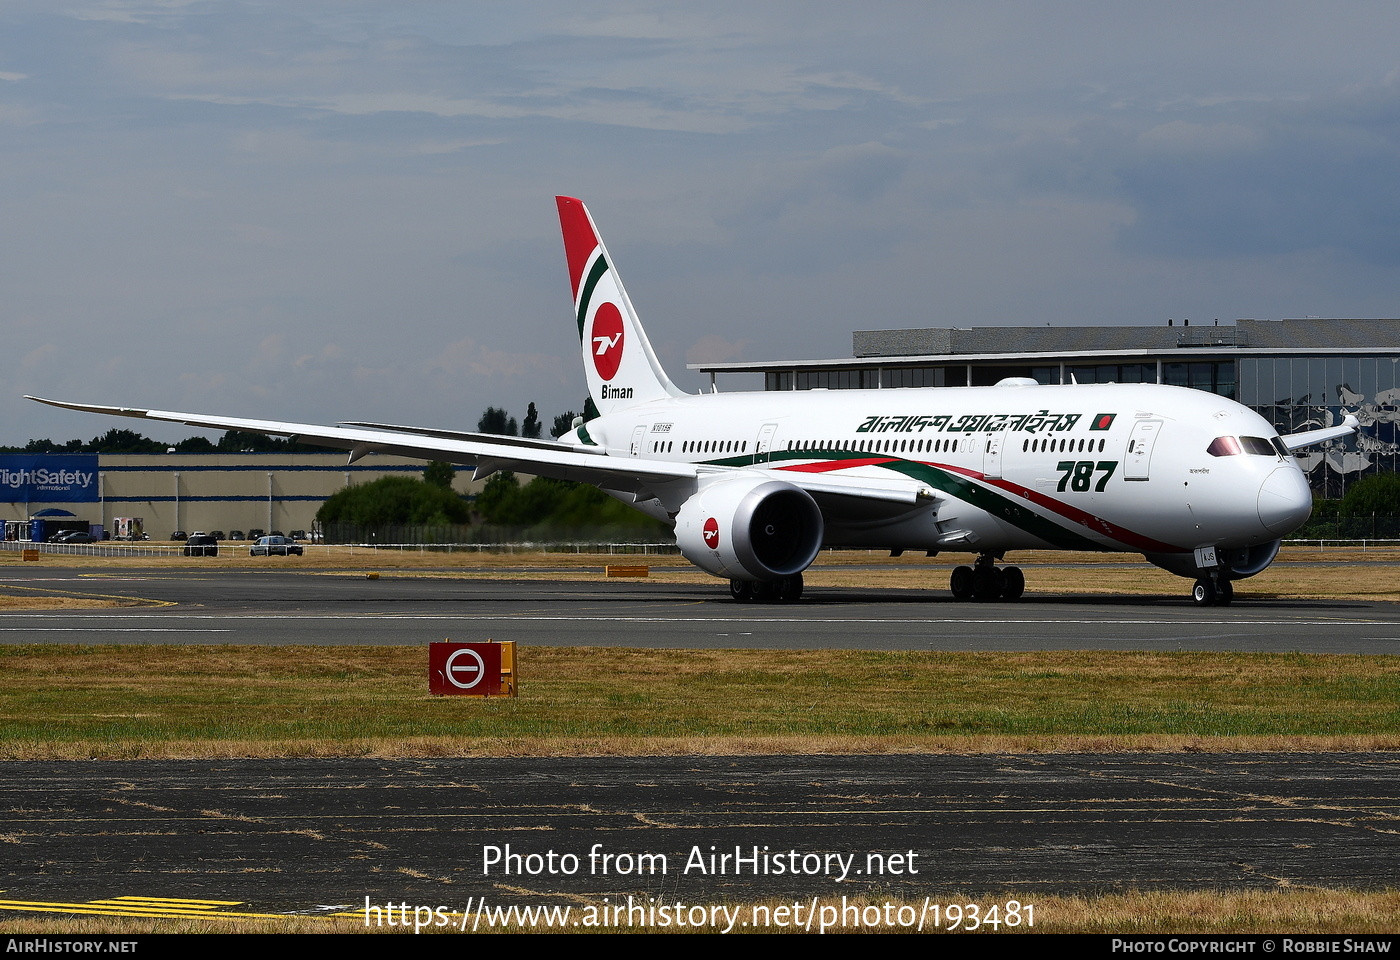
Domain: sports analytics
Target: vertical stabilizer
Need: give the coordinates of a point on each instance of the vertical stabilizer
(621, 367)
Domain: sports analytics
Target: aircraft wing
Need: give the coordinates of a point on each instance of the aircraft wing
(488, 453)
(1297, 441)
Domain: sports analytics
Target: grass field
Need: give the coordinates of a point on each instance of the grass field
(171, 701)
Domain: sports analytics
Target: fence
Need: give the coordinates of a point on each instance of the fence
(491, 535)
(111, 549)
(554, 546)
(104, 549)
(1349, 528)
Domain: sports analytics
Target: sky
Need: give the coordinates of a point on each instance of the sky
(327, 211)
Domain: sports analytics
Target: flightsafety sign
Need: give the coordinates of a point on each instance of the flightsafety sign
(48, 477)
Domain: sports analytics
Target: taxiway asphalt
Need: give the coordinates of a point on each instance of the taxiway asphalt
(313, 835)
(294, 607)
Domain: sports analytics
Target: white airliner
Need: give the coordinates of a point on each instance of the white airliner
(757, 483)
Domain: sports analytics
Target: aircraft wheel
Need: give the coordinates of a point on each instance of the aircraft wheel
(987, 583)
(1225, 591)
(1013, 583)
(961, 583)
(1204, 594)
(788, 589)
(741, 590)
(762, 592)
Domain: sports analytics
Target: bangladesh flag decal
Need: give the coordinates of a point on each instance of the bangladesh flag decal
(1102, 421)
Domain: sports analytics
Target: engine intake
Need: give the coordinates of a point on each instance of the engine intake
(750, 528)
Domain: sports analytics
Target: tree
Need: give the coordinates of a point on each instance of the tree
(439, 474)
(42, 446)
(1376, 495)
(125, 441)
(563, 424)
(531, 427)
(496, 420)
(394, 500)
(196, 445)
(556, 503)
(237, 441)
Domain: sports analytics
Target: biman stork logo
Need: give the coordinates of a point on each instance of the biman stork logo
(711, 533)
(606, 340)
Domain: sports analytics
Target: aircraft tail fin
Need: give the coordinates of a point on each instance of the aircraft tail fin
(621, 367)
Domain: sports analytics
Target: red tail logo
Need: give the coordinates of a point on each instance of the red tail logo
(606, 339)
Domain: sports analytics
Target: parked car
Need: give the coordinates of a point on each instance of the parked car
(72, 536)
(179, 536)
(297, 535)
(256, 533)
(236, 535)
(217, 534)
(275, 547)
(201, 545)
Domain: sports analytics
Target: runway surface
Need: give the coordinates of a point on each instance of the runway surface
(305, 835)
(285, 607)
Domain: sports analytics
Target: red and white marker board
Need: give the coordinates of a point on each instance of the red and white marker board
(471, 669)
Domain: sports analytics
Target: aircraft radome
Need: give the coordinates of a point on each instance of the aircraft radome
(756, 484)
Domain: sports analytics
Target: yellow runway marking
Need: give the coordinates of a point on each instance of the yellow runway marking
(151, 908)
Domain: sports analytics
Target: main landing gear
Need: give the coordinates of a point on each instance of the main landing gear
(986, 581)
(784, 590)
(1210, 592)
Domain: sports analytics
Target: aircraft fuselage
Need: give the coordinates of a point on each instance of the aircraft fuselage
(1097, 467)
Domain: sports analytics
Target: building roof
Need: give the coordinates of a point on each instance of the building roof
(1051, 344)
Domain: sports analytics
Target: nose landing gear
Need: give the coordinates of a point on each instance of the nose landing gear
(1212, 592)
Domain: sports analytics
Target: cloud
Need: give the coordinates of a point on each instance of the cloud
(1303, 176)
(1182, 139)
(468, 359)
(715, 349)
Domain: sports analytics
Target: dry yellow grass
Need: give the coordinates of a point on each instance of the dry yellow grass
(1299, 573)
(36, 602)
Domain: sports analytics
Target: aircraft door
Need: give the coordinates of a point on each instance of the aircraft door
(991, 455)
(1138, 459)
(639, 437)
(765, 442)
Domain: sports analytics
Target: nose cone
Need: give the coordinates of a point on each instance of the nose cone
(1285, 502)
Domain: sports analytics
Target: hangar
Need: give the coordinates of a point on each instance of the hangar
(1298, 374)
(192, 491)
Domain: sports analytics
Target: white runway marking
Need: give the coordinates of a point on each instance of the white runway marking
(113, 630)
(516, 618)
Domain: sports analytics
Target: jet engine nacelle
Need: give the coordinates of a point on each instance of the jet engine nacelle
(1236, 563)
(750, 528)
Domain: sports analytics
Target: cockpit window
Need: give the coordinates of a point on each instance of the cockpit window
(1282, 448)
(1254, 446)
(1224, 447)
